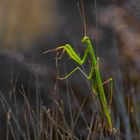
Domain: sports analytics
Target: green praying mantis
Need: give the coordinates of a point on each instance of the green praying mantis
(94, 75)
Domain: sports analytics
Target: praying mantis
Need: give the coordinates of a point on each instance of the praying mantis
(94, 73)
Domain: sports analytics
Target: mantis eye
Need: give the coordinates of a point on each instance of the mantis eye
(85, 39)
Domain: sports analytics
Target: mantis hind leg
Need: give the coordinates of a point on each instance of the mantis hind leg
(110, 80)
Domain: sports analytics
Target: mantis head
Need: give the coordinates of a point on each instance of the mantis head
(85, 39)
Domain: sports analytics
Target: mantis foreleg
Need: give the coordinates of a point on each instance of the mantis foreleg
(110, 80)
(73, 55)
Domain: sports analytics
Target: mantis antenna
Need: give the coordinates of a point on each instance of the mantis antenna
(96, 16)
(82, 14)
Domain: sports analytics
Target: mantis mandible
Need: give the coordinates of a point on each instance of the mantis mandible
(93, 72)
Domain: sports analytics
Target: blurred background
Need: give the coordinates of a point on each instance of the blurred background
(30, 27)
